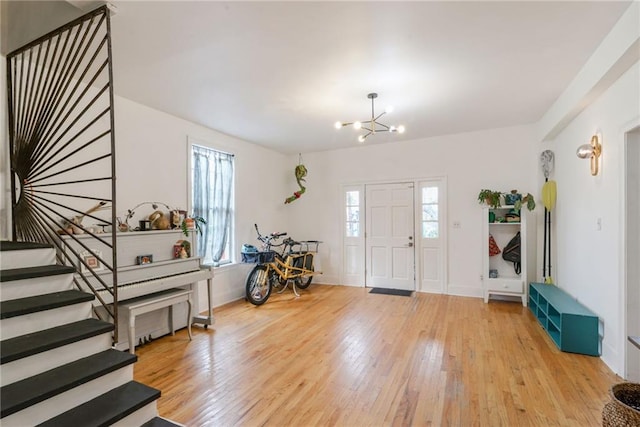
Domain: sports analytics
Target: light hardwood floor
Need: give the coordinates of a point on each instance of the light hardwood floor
(341, 356)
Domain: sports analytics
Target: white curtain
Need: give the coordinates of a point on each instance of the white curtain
(212, 188)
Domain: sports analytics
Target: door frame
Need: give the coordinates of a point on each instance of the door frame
(630, 354)
(359, 278)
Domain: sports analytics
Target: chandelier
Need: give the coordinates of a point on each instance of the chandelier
(372, 126)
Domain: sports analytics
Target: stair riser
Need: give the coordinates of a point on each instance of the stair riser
(27, 258)
(139, 417)
(34, 322)
(42, 411)
(36, 286)
(38, 363)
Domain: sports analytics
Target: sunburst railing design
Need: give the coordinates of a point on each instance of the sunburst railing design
(61, 136)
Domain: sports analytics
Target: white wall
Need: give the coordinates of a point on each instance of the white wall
(151, 153)
(501, 159)
(589, 261)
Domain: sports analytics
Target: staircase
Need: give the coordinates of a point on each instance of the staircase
(57, 364)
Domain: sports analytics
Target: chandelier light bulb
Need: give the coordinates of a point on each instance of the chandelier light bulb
(357, 125)
(361, 138)
(338, 125)
(401, 129)
(392, 129)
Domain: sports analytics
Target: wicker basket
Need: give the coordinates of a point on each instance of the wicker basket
(624, 408)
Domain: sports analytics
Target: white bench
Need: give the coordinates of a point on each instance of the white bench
(152, 302)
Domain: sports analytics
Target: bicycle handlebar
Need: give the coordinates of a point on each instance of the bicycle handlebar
(267, 239)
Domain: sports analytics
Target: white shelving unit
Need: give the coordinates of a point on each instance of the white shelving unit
(507, 282)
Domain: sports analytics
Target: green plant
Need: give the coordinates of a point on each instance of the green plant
(528, 199)
(494, 199)
(490, 197)
(198, 221)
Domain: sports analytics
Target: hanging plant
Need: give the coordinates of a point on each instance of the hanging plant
(300, 172)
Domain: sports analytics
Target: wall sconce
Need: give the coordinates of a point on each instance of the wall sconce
(591, 151)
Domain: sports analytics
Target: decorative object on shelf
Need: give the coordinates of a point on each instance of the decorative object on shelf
(145, 225)
(516, 200)
(492, 217)
(493, 274)
(300, 172)
(159, 221)
(144, 259)
(75, 225)
(192, 222)
(176, 218)
(512, 216)
(549, 190)
(370, 125)
(132, 212)
(182, 249)
(592, 151)
(91, 258)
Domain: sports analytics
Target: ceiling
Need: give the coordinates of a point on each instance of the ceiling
(280, 74)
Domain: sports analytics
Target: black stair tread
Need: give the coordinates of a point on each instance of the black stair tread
(30, 391)
(108, 408)
(7, 245)
(35, 272)
(22, 306)
(160, 422)
(41, 341)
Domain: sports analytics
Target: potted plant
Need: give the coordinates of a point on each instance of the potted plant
(490, 197)
(513, 198)
(192, 222)
(517, 200)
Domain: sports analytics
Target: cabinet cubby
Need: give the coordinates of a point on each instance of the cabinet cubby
(572, 327)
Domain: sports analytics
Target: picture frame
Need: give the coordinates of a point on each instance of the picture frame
(144, 259)
(92, 261)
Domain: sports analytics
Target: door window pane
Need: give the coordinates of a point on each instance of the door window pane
(352, 203)
(430, 214)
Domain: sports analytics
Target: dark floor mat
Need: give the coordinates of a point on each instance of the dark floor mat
(385, 291)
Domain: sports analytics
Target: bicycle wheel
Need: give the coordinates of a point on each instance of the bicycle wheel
(304, 282)
(258, 286)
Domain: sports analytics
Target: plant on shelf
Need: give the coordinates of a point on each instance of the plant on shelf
(192, 222)
(513, 198)
(517, 200)
(490, 197)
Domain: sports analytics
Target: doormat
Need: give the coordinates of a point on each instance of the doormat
(385, 291)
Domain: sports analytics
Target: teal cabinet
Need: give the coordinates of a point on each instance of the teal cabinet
(572, 327)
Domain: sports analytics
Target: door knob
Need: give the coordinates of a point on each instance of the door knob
(410, 244)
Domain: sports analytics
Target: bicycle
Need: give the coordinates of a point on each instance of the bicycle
(294, 264)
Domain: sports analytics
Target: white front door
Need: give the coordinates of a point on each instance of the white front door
(389, 238)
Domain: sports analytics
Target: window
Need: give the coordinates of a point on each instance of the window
(212, 199)
(352, 204)
(430, 225)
